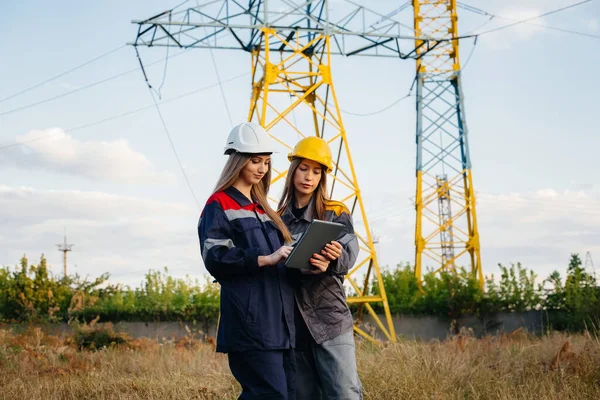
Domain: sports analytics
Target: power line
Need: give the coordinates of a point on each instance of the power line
(62, 74)
(214, 62)
(212, 56)
(67, 93)
(124, 114)
(388, 16)
(475, 10)
(492, 16)
(412, 86)
(480, 26)
(462, 68)
(159, 92)
(110, 78)
(167, 56)
(166, 130)
(378, 111)
(523, 21)
(179, 5)
(464, 6)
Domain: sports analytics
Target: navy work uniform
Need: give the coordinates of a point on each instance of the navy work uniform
(256, 327)
(325, 351)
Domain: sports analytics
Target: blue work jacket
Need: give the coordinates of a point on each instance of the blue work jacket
(257, 303)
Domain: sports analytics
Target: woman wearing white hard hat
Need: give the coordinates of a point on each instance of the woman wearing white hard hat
(242, 243)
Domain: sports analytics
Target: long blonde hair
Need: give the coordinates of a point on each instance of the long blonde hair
(319, 196)
(231, 172)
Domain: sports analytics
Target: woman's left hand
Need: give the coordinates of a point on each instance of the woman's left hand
(332, 251)
(320, 262)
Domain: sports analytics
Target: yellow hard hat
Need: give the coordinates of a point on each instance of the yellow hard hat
(313, 148)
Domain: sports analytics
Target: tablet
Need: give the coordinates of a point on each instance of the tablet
(318, 234)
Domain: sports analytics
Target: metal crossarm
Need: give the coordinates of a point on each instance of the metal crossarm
(226, 24)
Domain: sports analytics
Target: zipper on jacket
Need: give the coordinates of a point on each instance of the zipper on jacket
(264, 231)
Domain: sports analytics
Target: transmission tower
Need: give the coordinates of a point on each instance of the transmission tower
(65, 248)
(446, 234)
(589, 265)
(290, 45)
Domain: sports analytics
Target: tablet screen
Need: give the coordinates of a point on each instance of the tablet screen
(318, 234)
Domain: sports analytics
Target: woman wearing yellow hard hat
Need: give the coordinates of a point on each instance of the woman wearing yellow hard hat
(325, 353)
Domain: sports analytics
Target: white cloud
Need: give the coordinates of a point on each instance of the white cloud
(505, 38)
(512, 12)
(100, 160)
(122, 235)
(524, 31)
(538, 229)
(126, 236)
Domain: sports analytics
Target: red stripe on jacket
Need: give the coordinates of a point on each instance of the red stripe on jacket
(228, 203)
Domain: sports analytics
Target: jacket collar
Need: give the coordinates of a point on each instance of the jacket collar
(308, 213)
(239, 198)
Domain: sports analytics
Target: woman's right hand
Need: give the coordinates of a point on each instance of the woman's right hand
(273, 259)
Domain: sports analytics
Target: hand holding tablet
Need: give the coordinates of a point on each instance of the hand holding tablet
(316, 240)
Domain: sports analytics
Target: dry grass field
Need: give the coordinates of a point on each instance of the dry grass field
(518, 366)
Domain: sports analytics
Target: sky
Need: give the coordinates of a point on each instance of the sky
(531, 108)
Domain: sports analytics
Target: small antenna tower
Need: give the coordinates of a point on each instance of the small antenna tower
(65, 248)
(589, 265)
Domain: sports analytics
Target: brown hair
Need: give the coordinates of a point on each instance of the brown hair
(231, 172)
(319, 195)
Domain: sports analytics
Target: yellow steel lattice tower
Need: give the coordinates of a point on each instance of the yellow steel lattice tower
(293, 97)
(446, 234)
(290, 43)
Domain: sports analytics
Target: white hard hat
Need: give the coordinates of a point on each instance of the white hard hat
(249, 137)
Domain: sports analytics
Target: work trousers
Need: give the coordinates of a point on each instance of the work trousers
(328, 371)
(265, 375)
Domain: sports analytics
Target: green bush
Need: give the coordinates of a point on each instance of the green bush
(516, 290)
(29, 293)
(443, 294)
(574, 305)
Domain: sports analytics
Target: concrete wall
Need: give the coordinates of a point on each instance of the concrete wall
(428, 328)
(160, 331)
(409, 327)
